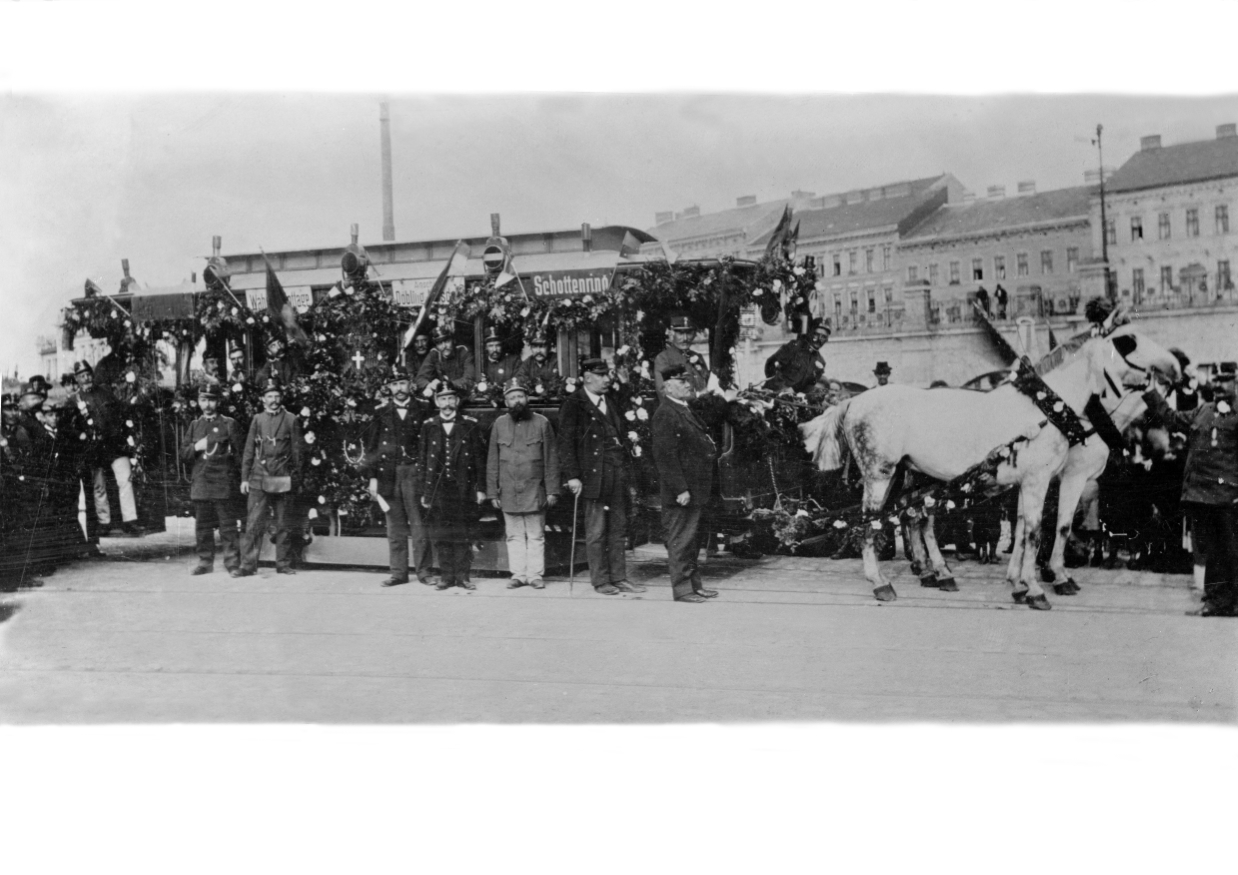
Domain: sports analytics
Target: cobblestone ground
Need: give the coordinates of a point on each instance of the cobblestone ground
(136, 639)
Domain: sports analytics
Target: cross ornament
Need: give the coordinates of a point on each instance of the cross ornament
(358, 358)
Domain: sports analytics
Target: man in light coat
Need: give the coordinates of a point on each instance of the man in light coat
(522, 480)
(270, 476)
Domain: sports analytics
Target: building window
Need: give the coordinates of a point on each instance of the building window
(1162, 226)
(977, 268)
(855, 307)
(999, 267)
(872, 300)
(838, 264)
(913, 273)
(1192, 222)
(1137, 282)
(887, 252)
(870, 257)
(1224, 283)
(954, 273)
(1111, 232)
(1167, 280)
(1136, 228)
(1020, 264)
(1072, 258)
(1222, 219)
(932, 274)
(889, 295)
(838, 309)
(853, 257)
(1046, 261)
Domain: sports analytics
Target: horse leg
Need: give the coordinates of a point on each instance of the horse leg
(1070, 491)
(874, 499)
(919, 553)
(1017, 591)
(1032, 498)
(945, 577)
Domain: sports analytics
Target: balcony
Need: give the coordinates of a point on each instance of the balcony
(885, 321)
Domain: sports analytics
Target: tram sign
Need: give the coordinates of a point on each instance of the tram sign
(568, 283)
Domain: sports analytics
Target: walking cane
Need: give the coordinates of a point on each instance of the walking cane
(571, 568)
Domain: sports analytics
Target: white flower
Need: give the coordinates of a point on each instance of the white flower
(235, 311)
(349, 290)
(1223, 407)
(90, 421)
(524, 311)
(756, 293)
(249, 320)
(82, 436)
(623, 350)
(483, 386)
(129, 440)
(799, 271)
(305, 412)
(129, 423)
(539, 389)
(642, 414)
(636, 450)
(929, 501)
(315, 461)
(131, 377)
(802, 513)
(238, 388)
(640, 315)
(322, 500)
(81, 405)
(588, 299)
(630, 416)
(1057, 408)
(633, 437)
(334, 291)
(877, 525)
(776, 285)
(950, 505)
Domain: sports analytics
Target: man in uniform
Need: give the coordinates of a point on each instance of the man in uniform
(684, 455)
(882, 373)
(280, 365)
(107, 446)
(594, 457)
(212, 449)
(678, 353)
(1210, 488)
(539, 372)
(522, 480)
(270, 475)
(498, 369)
(452, 484)
(798, 364)
(417, 355)
(210, 368)
(446, 362)
(390, 464)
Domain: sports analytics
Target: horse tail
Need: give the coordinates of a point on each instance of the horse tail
(823, 438)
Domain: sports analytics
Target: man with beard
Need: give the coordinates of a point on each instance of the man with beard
(270, 476)
(390, 464)
(594, 456)
(107, 447)
(679, 354)
(447, 362)
(539, 373)
(212, 446)
(798, 364)
(452, 483)
(236, 365)
(498, 369)
(522, 480)
(417, 355)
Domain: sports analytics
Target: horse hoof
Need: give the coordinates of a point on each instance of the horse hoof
(1074, 587)
(947, 584)
(1019, 595)
(885, 593)
(1039, 602)
(930, 580)
(1047, 575)
(916, 568)
(1067, 588)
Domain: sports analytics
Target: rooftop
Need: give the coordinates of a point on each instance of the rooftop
(754, 219)
(983, 216)
(1175, 165)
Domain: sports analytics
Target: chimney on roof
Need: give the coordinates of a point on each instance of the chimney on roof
(746, 201)
(996, 191)
(663, 217)
(1027, 186)
(1224, 132)
(1148, 143)
(691, 212)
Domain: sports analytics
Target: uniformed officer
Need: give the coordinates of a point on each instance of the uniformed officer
(107, 447)
(498, 369)
(212, 450)
(679, 353)
(798, 364)
(417, 355)
(452, 484)
(539, 372)
(390, 464)
(446, 362)
(270, 475)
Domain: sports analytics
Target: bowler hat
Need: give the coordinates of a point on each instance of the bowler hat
(681, 322)
(41, 382)
(210, 390)
(36, 386)
(82, 367)
(446, 387)
(515, 384)
(673, 371)
(594, 366)
(882, 368)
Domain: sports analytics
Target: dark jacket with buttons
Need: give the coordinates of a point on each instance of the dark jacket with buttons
(684, 454)
(215, 471)
(584, 438)
(1211, 471)
(452, 468)
(390, 441)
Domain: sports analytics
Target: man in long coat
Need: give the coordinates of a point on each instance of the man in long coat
(798, 364)
(107, 448)
(390, 464)
(270, 476)
(594, 456)
(679, 353)
(212, 450)
(684, 455)
(447, 362)
(522, 480)
(451, 461)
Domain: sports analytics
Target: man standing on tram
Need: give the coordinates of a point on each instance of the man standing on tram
(447, 362)
(679, 354)
(498, 369)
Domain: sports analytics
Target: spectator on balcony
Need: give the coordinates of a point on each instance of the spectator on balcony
(982, 298)
(1001, 299)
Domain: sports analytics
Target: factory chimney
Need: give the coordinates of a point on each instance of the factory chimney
(384, 120)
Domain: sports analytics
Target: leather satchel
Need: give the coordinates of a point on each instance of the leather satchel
(272, 483)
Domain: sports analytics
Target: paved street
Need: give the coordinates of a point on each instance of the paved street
(138, 640)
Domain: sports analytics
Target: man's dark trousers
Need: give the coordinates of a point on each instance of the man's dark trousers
(605, 539)
(256, 526)
(680, 526)
(403, 520)
(207, 514)
(451, 530)
(1215, 528)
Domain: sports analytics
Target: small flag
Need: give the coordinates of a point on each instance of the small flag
(280, 308)
(1052, 341)
(781, 233)
(454, 266)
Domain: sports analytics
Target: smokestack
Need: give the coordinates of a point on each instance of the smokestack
(586, 237)
(384, 121)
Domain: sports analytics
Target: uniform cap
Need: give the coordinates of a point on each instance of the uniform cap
(594, 366)
(681, 323)
(446, 387)
(398, 372)
(82, 367)
(673, 372)
(442, 333)
(515, 384)
(493, 334)
(272, 384)
(210, 390)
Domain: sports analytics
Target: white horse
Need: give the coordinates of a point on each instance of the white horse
(944, 432)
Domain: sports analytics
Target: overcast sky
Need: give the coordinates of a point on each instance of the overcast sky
(88, 177)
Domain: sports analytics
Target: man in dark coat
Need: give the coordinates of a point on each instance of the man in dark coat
(108, 448)
(390, 464)
(270, 476)
(679, 353)
(418, 352)
(498, 369)
(1210, 488)
(684, 455)
(594, 457)
(446, 362)
(451, 459)
(281, 365)
(540, 372)
(798, 364)
(212, 451)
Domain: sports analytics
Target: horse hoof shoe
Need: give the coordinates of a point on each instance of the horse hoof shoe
(1039, 602)
(1019, 596)
(885, 593)
(930, 580)
(947, 584)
